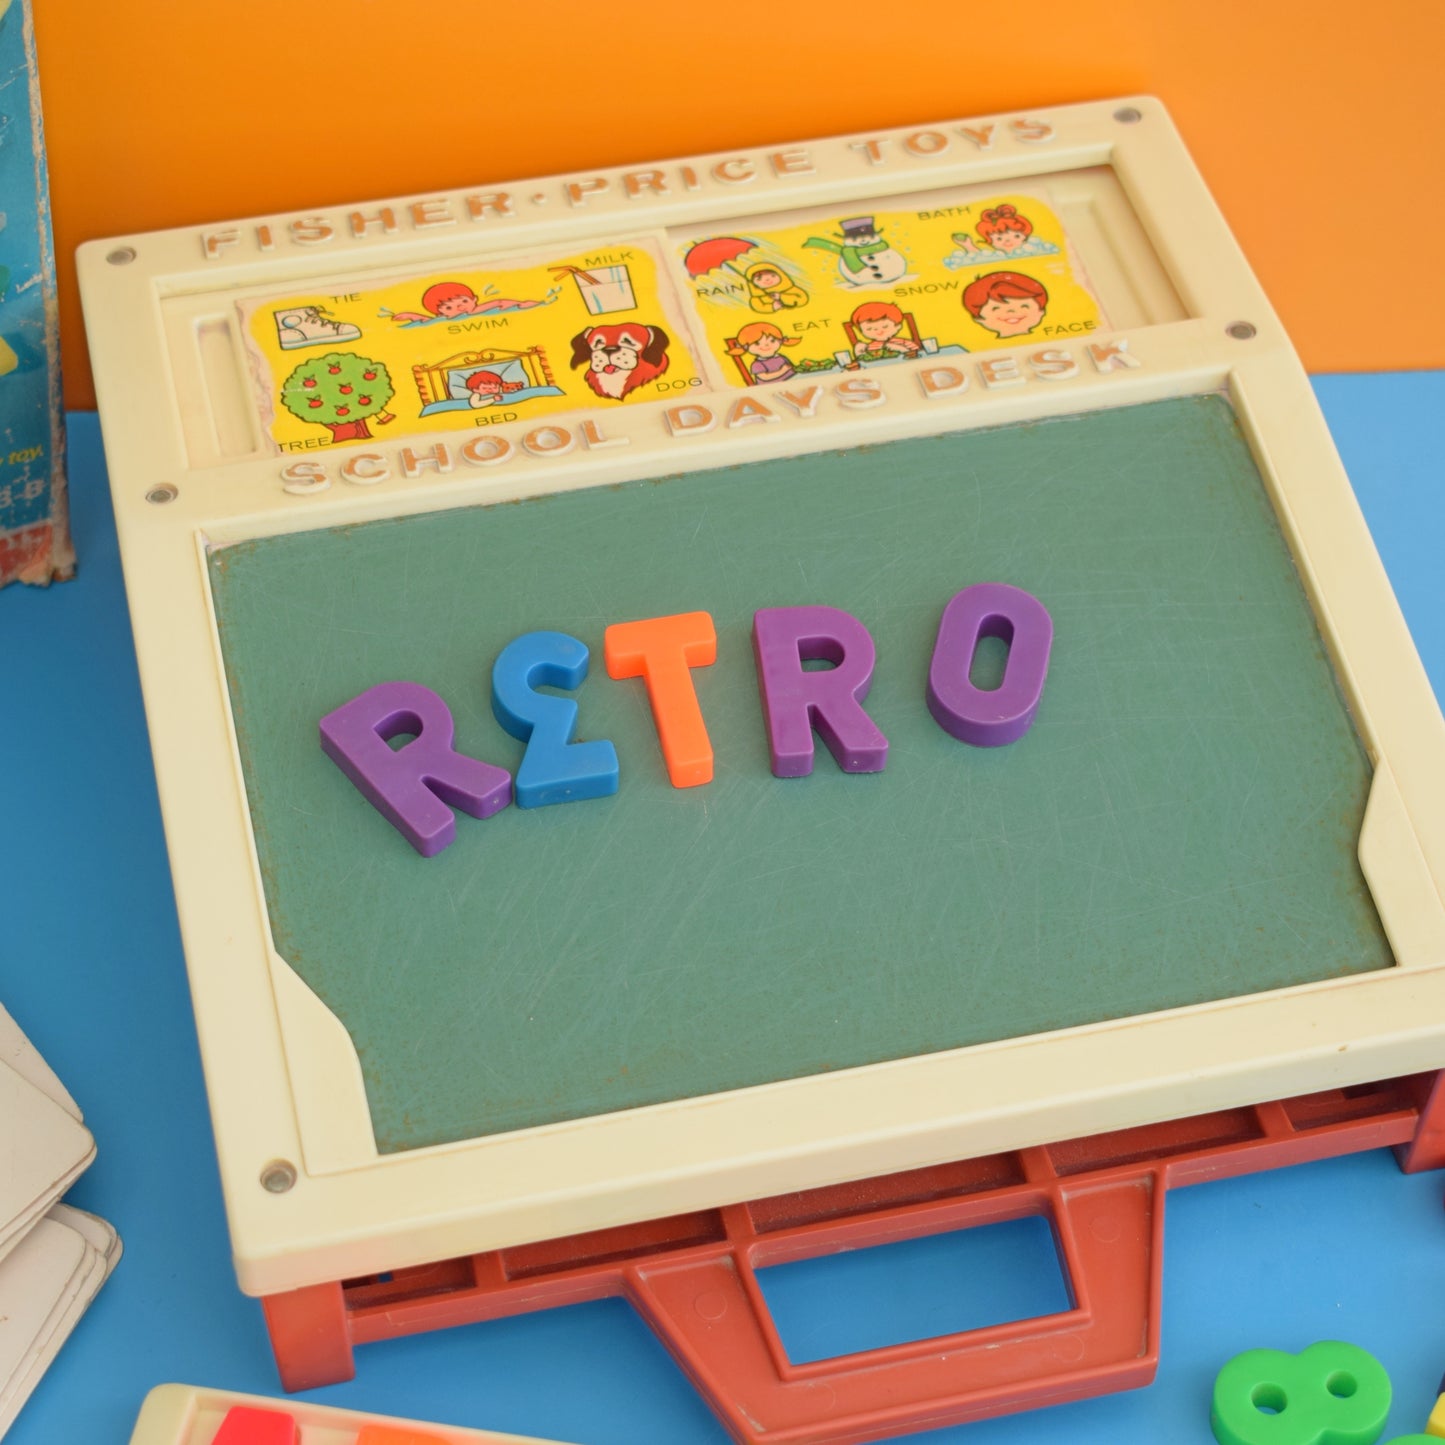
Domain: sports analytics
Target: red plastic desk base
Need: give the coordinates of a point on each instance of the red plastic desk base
(693, 1276)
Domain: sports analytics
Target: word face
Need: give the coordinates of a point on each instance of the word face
(416, 785)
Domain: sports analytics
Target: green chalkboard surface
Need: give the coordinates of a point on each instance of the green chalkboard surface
(1178, 826)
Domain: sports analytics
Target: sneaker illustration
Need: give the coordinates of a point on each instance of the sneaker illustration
(311, 326)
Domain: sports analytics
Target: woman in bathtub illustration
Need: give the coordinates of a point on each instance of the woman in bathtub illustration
(1004, 232)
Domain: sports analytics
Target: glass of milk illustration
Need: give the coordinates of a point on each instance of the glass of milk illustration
(604, 289)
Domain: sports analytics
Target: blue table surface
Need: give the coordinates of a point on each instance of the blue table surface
(91, 967)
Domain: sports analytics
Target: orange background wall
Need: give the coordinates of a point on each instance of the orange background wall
(1310, 122)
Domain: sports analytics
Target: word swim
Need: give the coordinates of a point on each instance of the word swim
(416, 786)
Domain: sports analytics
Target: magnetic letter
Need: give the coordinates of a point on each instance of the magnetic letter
(797, 701)
(554, 769)
(989, 719)
(416, 786)
(663, 651)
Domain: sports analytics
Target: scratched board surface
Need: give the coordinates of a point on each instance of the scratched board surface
(1178, 826)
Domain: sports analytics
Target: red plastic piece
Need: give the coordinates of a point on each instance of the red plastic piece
(663, 651)
(693, 1276)
(246, 1425)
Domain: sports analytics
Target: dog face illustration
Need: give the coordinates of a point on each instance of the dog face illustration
(619, 359)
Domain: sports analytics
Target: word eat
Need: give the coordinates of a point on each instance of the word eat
(416, 786)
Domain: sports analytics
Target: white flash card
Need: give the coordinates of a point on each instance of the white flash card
(97, 1232)
(45, 1287)
(21, 1055)
(43, 1148)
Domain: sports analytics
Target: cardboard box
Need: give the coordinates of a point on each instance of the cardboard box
(34, 526)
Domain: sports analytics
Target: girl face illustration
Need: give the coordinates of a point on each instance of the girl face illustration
(766, 345)
(1010, 315)
(1007, 240)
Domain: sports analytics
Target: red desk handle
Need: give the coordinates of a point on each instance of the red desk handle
(711, 1315)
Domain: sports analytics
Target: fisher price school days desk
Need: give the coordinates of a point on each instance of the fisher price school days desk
(1349, 1247)
(754, 987)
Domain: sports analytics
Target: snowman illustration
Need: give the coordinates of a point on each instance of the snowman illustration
(864, 257)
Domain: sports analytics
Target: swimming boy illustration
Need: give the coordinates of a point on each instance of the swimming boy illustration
(446, 300)
(1006, 302)
(880, 324)
(770, 290)
(764, 342)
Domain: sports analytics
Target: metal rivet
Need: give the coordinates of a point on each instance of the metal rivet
(278, 1176)
(1127, 115)
(162, 494)
(1240, 330)
(121, 256)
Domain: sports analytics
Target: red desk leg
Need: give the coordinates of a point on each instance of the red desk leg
(311, 1336)
(1427, 1149)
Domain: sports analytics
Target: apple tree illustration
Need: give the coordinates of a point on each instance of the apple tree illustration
(339, 391)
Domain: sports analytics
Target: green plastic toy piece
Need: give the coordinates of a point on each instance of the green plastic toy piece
(1330, 1394)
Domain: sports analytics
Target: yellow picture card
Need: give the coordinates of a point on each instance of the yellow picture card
(844, 289)
(825, 292)
(467, 346)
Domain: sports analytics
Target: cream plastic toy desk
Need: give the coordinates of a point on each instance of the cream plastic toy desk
(312, 423)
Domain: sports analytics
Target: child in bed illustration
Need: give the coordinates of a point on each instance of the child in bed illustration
(487, 388)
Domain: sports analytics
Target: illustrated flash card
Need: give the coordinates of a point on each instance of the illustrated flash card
(43, 1148)
(24, 1058)
(45, 1286)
